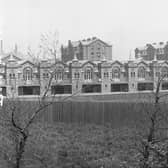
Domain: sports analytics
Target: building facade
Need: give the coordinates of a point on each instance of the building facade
(152, 51)
(92, 49)
(22, 77)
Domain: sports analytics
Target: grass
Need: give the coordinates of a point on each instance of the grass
(86, 145)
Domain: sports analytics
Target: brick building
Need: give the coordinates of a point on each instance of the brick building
(153, 51)
(92, 49)
(22, 77)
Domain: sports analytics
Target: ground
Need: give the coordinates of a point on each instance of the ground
(74, 145)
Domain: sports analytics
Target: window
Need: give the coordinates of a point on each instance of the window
(11, 76)
(76, 75)
(165, 72)
(150, 74)
(141, 72)
(132, 74)
(144, 52)
(116, 72)
(59, 74)
(92, 53)
(88, 75)
(27, 73)
(98, 54)
(45, 75)
(106, 74)
(98, 46)
(160, 51)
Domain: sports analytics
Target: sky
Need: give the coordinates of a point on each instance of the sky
(126, 24)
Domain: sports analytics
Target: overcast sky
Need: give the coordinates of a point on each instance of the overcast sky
(126, 24)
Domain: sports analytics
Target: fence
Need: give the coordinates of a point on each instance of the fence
(117, 113)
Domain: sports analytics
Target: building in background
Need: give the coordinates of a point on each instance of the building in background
(157, 51)
(92, 49)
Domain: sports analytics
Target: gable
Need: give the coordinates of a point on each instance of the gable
(142, 63)
(116, 63)
(59, 64)
(89, 63)
(106, 64)
(27, 63)
(8, 57)
(98, 41)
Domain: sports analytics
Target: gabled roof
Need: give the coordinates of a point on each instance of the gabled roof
(88, 62)
(10, 56)
(116, 62)
(27, 61)
(88, 42)
(59, 62)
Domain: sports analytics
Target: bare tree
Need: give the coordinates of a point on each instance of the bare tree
(153, 136)
(49, 44)
(19, 126)
(33, 55)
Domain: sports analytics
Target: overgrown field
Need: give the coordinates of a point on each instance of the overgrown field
(80, 134)
(78, 146)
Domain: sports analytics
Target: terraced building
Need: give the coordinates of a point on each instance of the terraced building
(22, 77)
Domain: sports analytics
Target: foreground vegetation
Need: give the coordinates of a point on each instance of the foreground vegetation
(74, 145)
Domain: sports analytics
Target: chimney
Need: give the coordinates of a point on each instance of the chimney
(1, 46)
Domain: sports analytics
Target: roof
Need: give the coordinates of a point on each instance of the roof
(87, 41)
(155, 45)
(12, 56)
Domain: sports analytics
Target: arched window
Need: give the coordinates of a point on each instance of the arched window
(116, 73)
(141, 72)
(88, 75)
(27, 73)
(164, 72)
(59, 74)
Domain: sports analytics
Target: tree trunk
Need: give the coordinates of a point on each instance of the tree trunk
(20, 151)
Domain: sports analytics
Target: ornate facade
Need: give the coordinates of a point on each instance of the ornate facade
(23, 77)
